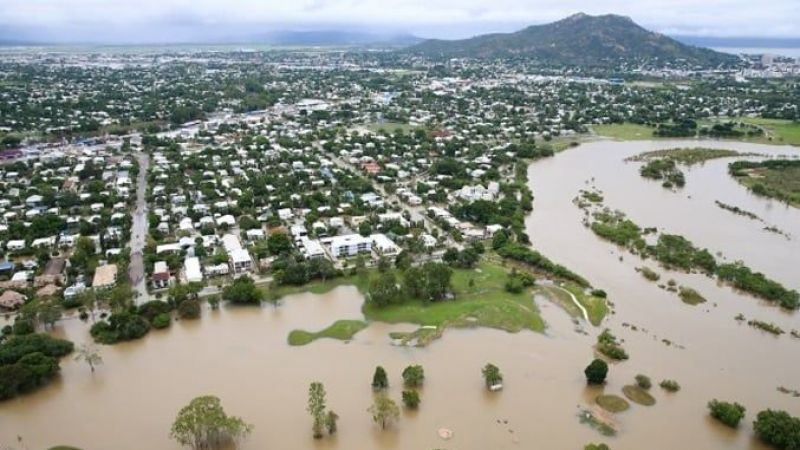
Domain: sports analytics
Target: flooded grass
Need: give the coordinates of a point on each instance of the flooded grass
(343, 330)
(624, 131)
(690, 296)
(612, 403)
(638, 395)
(480, 300)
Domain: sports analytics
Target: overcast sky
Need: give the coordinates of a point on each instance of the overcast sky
(179, 20)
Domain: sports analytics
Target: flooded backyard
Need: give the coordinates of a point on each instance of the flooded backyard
(241, 354)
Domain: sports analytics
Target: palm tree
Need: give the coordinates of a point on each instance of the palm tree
(89, 354)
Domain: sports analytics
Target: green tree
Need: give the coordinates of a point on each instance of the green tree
(491, 375)
(383, 289)
(279, 243)
(379, 379)
(384, 411)
(204, 425)
(728, 413)
(413, 376)
(411, 399)
(437, 280)
(243, 290)
(89, 354)
(778, 429)
(596, 372)
(316, 407)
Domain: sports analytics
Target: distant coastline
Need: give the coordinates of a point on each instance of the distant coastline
(790, 52)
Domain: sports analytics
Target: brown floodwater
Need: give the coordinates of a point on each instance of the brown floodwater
(241, 355)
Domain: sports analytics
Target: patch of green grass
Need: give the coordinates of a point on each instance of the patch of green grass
(596, 307)
(781, 131)
(560, 298)
(612, 403)
(638, 395)
(343, 330)
(391, 127)
(624, 131)
(486, 304)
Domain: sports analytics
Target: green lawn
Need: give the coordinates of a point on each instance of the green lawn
(486, 304)
(783, 131)
(391, 127)
(624, 131)
(344, 330)
(596, 307)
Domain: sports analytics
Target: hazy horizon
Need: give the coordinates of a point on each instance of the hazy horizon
(205, 21)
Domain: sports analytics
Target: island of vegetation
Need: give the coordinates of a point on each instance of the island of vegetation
(773, 178)
(677, 253)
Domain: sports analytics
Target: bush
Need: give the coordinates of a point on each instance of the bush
(411, 399)
(27, 362)
(30, 372)
(13, 349)
(778, 428)
(643, 381)
(189, 309)
(729, 414)
(120, 327)
(596, 447)
(152, 309)
(413, 376)
(670, 385)
(596, 372)
(23, 326)
(161, 321)
(607, 344)
(243, 291)
(491, 375)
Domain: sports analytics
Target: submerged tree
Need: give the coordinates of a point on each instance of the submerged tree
(384, 411)
(330, 422)
(379, 379)
(89, 354)
(316, 407)
(413, 376)
(596, 372)
(491, 375)
(203, 425)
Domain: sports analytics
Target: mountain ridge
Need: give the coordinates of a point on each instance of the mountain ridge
(581, 40)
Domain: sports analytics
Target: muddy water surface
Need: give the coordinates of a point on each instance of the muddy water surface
(241, 355)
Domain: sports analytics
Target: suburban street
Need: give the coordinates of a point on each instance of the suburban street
(136, 271)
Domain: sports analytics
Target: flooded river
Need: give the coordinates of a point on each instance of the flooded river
(241, 355)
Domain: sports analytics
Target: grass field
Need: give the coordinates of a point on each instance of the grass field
(782, 131)
(777, 131)
(343, 330)
(624, 131)
(485, 304)
(391, 127)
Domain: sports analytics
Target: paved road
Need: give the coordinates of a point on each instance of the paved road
(136, 271)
